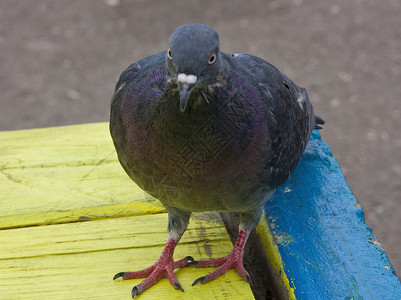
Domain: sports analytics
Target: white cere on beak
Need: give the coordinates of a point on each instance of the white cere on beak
(184, 78)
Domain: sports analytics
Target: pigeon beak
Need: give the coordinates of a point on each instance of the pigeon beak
(186, 83)
(185, 92)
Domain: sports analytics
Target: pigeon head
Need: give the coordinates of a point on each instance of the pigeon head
(193, 59)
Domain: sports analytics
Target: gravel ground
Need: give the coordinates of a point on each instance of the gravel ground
(61, 59)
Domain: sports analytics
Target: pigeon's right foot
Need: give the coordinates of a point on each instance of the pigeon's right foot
(164, 266)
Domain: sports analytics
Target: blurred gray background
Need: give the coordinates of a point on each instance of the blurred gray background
(61, 59)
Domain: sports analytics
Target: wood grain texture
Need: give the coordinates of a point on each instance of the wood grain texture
(78, 260)
(64, 168)
(70, 219)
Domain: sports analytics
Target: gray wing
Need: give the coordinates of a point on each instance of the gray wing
(137, 86)
(291, 119)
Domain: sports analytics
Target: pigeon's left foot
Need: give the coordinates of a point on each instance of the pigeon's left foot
(164, 266)
(233, 260)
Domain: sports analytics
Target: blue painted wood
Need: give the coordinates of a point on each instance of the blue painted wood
(328, 251)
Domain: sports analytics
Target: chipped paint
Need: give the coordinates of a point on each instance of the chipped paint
(332, 254)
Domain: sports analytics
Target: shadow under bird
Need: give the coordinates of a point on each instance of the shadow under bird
(204, 130)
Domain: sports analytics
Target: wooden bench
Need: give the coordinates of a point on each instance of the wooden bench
(70, 218)
(324, 248)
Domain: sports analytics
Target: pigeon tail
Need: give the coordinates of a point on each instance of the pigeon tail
(319, 121)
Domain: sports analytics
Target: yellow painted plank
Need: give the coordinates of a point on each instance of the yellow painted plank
(70, 145)
(89, 276)
(45, 173)
(107, 234)
(67, 174)
(78, 260)
(65, 188)
(82, 214)
(274, 256)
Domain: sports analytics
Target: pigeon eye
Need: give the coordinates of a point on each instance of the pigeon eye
(169, 54)
(212, 59)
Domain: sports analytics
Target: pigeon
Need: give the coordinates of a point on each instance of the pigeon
(204, 130)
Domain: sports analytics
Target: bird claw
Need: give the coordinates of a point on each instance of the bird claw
(135, 291)
(200, 279)
(232, 260)
(119, 275)
(248, 278)
(190, 260)
(164, 266)
(178, 286)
